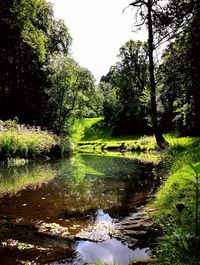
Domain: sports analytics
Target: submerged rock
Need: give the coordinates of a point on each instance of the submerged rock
(53, 229)
(138, 228)
(98, 232)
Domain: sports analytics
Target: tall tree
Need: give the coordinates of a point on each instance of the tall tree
(146, 10)
(33, 36)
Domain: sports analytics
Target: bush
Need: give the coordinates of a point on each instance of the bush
(29, 142)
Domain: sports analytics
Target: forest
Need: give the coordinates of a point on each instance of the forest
(50, 106)
(42, 85)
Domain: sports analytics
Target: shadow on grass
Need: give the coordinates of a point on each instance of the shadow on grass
(98, 131)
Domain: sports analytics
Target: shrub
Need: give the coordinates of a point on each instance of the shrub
(23, 141)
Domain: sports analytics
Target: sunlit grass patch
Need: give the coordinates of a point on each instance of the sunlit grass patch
(176, 202)
(182, 152)
(94, 130)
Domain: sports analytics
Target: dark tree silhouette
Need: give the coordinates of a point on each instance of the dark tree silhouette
(146, 9)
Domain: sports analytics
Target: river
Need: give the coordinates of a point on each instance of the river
(45, 206)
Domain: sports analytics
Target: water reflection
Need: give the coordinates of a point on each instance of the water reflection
(13, 179)
(74, 193)
(110, 251)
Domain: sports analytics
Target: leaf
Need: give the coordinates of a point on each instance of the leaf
(196, 168)
(185, 243)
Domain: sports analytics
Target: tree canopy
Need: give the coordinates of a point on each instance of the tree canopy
(27, 80)
(41, 84)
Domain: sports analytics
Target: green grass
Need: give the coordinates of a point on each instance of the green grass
(179, 244)
(92, 136)
(19, 141)
(93, 130)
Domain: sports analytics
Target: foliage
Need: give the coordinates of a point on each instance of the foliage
(40, 83)
(20, 141)
(33, 36)
(123, 90)
(72, 92)
(180, 77)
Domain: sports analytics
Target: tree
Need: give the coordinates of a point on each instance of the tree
(181, 78)
(146, 10)
(33, 36)
(123, 88)
(71, 91)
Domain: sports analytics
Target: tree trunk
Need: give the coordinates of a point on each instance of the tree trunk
(157, 132)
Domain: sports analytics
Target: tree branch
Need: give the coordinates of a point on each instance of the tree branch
(138, 3)
(167, 37)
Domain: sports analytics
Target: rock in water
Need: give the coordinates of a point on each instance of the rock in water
(98, 232)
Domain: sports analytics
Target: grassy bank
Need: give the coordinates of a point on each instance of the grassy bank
(19, 141)
(92, 136)
(177, 204)
(178, 200)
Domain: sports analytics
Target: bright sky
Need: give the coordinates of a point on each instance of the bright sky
(98, 29)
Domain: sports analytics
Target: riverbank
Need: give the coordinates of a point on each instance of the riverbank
(176, 202)
(29, 142)
(93, 137)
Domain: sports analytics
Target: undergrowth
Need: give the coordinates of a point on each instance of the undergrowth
(28, 142)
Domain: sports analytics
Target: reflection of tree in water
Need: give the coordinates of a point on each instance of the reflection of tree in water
(15, 178)
(113, 184)
(136, 194)
(78, 179)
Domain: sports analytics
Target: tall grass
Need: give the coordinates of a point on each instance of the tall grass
(20, 141)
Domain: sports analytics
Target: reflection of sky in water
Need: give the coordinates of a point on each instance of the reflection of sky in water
(109, 251)
(101, 216)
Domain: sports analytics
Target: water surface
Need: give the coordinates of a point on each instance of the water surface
(73, 193)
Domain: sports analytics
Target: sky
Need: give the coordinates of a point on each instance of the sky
(98, 28)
